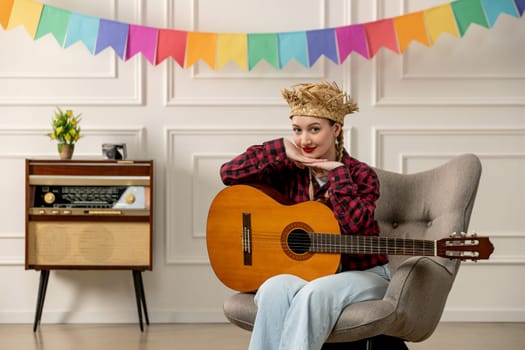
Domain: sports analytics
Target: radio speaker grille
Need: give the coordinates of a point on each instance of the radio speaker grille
(89, 243)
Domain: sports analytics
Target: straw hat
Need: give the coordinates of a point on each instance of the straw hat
(322, 100)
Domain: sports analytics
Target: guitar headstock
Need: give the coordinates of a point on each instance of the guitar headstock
(464, 247)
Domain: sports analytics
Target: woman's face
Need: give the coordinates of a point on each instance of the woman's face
(315, 136)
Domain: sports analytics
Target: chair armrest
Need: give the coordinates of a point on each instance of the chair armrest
(419, 281)
(240, 309)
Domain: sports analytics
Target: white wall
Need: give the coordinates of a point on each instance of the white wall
(417, 110)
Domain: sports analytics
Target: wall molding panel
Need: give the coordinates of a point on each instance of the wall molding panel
(381, 134)
(42, 73)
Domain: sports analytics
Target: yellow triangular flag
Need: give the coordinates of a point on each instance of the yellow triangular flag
(232, 47)
(440, 20)
(26, 13)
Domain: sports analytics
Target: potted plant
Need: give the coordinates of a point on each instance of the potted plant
(66, 131)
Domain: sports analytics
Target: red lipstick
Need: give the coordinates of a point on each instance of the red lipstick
(308, 149)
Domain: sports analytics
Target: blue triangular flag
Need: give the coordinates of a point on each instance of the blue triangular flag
(82, 28)
(493, 8)
(292, 45)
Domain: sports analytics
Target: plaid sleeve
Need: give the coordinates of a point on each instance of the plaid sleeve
(353, 193)
(253, 164)
(356, 189)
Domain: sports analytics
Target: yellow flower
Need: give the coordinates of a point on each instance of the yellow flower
(66, 128)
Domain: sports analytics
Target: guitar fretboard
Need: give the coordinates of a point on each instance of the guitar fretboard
(350, 244)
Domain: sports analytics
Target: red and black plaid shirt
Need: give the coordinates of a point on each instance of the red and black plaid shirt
(353, 190)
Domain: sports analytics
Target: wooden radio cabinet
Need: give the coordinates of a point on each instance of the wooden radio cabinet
(86, 215)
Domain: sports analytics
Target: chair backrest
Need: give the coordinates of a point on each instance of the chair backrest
(428, 205)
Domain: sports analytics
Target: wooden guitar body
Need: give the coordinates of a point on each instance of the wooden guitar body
(276, 232)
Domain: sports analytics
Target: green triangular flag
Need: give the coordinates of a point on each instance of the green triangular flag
(262, 47)
(468, 12)
(55, 21)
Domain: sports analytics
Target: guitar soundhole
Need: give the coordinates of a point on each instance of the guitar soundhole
(298, 241)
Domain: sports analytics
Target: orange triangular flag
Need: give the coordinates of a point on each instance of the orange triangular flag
(201, 46)
(410, 27)
(5, 11)
(440, 20)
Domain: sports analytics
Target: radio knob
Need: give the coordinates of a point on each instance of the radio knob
(49, 198)
(130, 198)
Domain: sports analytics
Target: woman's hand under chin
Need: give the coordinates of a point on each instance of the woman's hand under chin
(318, 165)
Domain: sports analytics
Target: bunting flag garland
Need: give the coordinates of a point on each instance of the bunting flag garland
(292, 45)
(351, 38)
(82, 28)
(381, 34)
(411, 27)
(440, 20)
(232, 47)
(171, 43)
(112, 34)
(142, 39)
(247, 50)
(55, 21)
(26, 13)
(201, 46)
(262, 47)
(521, 6)
(322, 43)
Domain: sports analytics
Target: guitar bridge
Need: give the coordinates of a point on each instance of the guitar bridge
(247, 238)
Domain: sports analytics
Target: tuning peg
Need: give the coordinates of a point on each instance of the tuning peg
(463, 234)
(453, 234)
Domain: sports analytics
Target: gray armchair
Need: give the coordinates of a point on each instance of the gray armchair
(427, 205)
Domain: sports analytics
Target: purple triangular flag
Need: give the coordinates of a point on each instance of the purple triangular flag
(112, 34)
(351, 38)
(321, 42)
(142, 39)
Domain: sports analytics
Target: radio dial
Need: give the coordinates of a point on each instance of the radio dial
(49, 198)
(130, 198)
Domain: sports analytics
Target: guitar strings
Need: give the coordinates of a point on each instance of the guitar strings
(333, 243)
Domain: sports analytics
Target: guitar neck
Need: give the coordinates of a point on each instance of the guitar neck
(355, 244)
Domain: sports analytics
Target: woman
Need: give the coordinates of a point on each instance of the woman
(294, 313)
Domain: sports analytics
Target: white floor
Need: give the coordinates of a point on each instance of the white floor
(457, 336)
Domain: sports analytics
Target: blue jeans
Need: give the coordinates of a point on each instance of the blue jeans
(295, 314)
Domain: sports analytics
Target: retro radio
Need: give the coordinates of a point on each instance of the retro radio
(87, 214)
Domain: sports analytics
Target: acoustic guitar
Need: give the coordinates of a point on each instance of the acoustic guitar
(252, 236)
